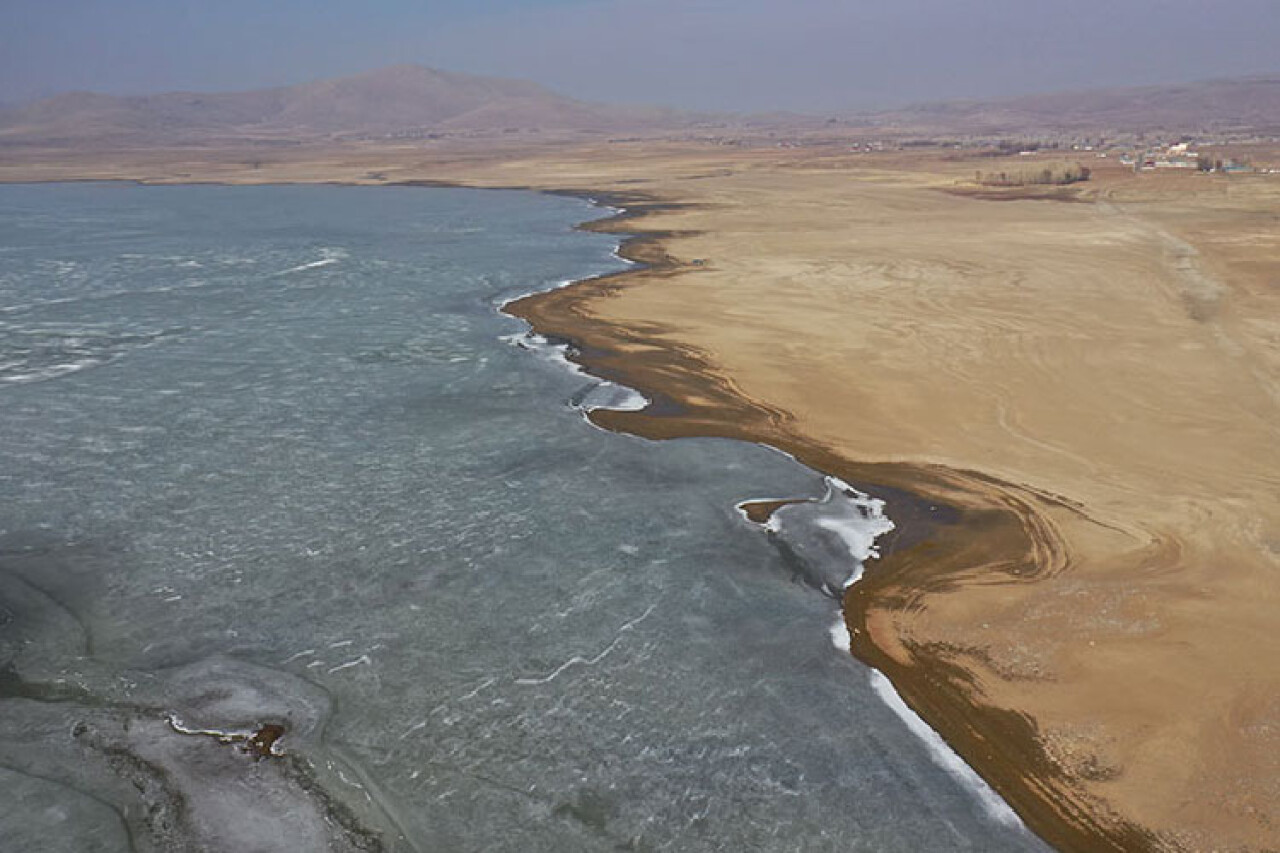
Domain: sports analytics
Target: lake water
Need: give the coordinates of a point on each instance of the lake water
(272, 455)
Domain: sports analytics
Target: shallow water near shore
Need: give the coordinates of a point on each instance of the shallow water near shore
(272, 456)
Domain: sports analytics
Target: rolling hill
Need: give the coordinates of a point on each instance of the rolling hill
(403, 99)
(411, 100)
(1246, 104)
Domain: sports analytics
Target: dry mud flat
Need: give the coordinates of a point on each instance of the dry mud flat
(1073, 410)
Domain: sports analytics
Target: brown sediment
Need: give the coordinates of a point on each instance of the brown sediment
(951, 526)
(262, 743)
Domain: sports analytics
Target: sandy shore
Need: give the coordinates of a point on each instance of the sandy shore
(1072, 407)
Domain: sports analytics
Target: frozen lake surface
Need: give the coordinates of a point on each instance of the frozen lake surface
(269, 457)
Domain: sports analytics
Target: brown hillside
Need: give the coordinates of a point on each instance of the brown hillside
(1242, 104)
(399, 99)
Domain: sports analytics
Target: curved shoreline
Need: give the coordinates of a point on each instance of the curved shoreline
(951, 525)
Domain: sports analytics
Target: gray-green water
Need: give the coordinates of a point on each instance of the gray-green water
(269, 455)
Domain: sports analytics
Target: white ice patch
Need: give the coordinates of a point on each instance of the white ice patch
(858, 520)
(943, 755)
(363, 659)
(224, 735)
(840, 635)
(328, 257)
(617, 253)
(53, 371)
(854, 521)
(610, 395)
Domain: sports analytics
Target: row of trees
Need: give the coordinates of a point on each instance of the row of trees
(1054, 174)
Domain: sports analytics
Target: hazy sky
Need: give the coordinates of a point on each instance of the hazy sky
(719, 54)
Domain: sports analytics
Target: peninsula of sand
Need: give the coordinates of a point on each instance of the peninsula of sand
(1069, 399)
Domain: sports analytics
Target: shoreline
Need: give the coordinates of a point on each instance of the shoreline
(179, 728)
(957, 526)
(761, 513)
(943, 518)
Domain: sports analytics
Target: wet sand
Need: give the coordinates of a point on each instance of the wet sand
(1072, 410)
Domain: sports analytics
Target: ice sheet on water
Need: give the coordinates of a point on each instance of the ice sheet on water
(255, 523)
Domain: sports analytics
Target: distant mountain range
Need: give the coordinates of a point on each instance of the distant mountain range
(1245, 104)
(403, 99)
(410, 100)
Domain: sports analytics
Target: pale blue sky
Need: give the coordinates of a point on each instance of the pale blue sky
(719, 54)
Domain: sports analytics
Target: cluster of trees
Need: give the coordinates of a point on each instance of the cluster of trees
(1053, 174)
(1205, 163)
(1006, 147)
